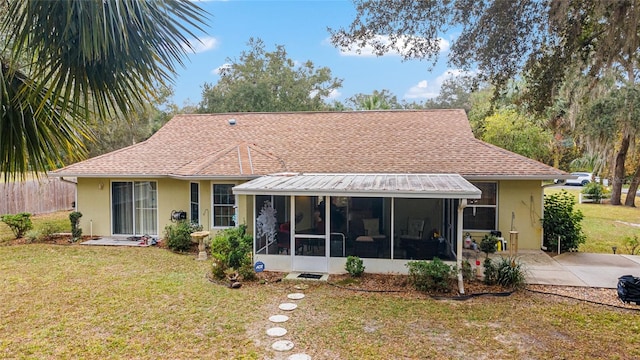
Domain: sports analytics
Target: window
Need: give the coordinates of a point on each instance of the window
(223, 205)
(195, 203)
(481, 214)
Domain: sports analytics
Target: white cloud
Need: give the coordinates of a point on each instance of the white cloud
(334, 94)
(217, 70)
(402, 44)
(430, 89)
(202, 45)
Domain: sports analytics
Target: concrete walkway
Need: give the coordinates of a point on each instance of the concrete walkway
(578, 269)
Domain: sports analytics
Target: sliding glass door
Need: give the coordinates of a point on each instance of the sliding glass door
(134, 208)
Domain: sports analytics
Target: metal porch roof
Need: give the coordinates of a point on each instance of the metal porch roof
(443, 186)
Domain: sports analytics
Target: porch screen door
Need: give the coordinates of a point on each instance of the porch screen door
(134, 208)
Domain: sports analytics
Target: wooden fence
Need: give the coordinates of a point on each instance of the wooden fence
(36, 196)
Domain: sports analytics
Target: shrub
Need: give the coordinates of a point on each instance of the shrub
(563, 221)
(467, 271)
(48, 229)
(178, 235)
(488, 244)
(76, 231)
(596, 192)
(18, 223)
(432, 275)
(631, 244)
(490, 272)
(33, 235)
(231, 249)
(510, 274)
(354, 266)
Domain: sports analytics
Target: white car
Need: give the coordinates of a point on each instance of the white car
(583, 178)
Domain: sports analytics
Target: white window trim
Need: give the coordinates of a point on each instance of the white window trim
(470, 205)
(214, 205)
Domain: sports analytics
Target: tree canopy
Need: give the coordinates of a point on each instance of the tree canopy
(545, 43)
(68, 60)
(263, 81)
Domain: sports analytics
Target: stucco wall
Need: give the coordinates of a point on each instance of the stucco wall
(93, 203)
(523, 201)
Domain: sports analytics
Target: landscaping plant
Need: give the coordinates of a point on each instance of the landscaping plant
(490, 272)
(231, 248)
(354, 266)
(18, 223)
(178, 235)
(509, 273)
(631, 244)
(432, 275)
(76, 231)
(562, 220)
(596, 192)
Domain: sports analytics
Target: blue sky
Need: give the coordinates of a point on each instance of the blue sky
(301, 26)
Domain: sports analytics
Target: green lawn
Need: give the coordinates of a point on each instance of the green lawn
(76, 301)
(605, 225)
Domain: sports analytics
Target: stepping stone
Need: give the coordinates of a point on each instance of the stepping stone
(301, 286)
(276, 331)
(299, 356)
(278, 318)
(282, 345)
(296, 296)
(287, 306)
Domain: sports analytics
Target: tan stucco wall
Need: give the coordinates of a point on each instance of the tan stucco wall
(524, 200)
(93, 202)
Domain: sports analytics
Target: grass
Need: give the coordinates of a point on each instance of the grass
(57, 220)
(76, 301)
(605, 225)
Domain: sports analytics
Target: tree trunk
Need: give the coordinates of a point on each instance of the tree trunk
(618, 171)
(633, 189)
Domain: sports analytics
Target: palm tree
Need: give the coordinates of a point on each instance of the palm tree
(63, 61)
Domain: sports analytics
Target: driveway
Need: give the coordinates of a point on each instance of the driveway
(578, 269)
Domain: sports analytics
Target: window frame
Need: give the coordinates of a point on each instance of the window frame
(485, 202)
(232, 204)
(194, 216)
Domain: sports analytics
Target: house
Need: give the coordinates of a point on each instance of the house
(315, 187)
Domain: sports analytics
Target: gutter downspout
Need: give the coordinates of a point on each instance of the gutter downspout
(75, 196)
(461, 206)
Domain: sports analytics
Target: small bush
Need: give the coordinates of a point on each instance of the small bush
(354, 266)
(432, 275)
(218, 269)
(631, 244)
(490, 272)
(178, 235)
(596, 192)
(33, 235)
(563, 221)
(510, 274)
(467, 271)
(76, 231)
(47, 230)
(232, 249)
(488, 244)
(18, 223)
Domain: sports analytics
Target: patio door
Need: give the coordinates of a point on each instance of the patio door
(309, 249)
(134, 209)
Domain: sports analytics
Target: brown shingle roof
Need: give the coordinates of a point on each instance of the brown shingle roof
(406, 141)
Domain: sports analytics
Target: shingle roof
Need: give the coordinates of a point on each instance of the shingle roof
(403, 141)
